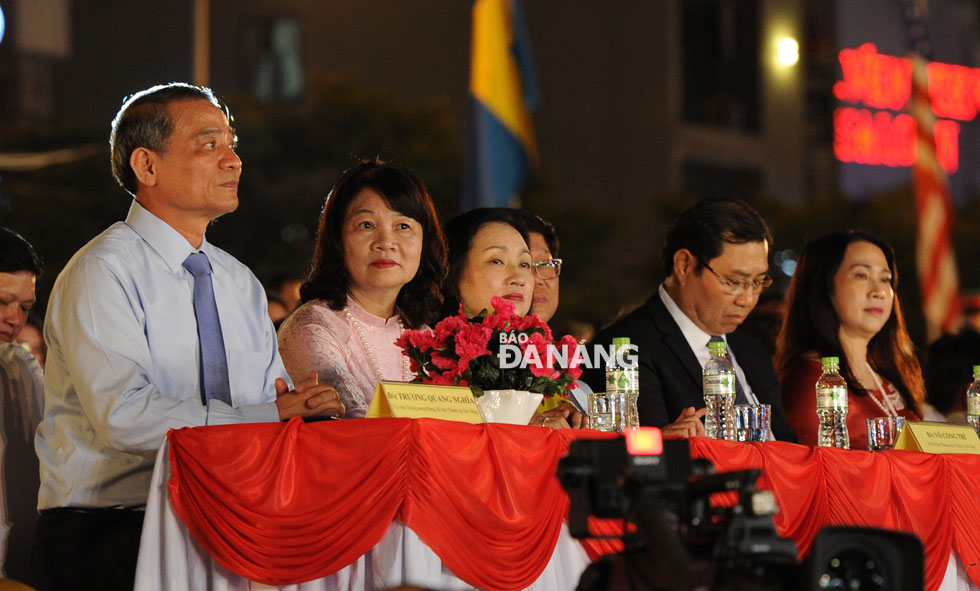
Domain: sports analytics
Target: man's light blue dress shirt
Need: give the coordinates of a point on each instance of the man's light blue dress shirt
(124, 364)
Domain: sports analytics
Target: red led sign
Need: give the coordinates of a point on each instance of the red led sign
(878, 81)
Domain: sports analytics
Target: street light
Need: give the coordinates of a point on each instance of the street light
(787, 51)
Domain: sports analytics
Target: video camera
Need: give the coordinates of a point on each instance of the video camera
(695, 529)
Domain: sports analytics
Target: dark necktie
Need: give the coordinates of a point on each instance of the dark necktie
(214, 364)
(740, 397)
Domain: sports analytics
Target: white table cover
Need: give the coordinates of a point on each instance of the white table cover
(170, 559)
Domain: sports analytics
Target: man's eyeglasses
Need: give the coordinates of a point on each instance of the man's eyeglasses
(548, 269)
(735, 287)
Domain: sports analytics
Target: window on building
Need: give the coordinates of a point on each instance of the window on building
(272, 52)
(720, 57)
(707, 180)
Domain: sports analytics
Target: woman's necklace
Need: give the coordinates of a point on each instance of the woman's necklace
(406, 368)
(888, 408)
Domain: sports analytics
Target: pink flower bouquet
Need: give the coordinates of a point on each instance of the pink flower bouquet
(493, 351)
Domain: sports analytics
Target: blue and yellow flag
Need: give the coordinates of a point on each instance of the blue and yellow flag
(501, 148)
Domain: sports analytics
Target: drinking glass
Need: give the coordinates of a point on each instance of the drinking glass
(600, 412)
(632, 411)
(752, 422)
(883, 432)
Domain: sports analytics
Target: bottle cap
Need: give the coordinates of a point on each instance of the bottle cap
(717, 345)
(976, 371)
(830, 360)
(621, 340)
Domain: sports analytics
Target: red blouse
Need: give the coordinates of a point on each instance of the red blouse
(796, 383)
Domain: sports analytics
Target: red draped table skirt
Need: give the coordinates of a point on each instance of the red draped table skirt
(282, 504)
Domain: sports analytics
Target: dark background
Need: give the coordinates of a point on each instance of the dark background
(646, 106)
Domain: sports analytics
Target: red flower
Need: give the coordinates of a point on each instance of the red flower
(442, 379)
(443, 362)
(423, 340)
(570, 347)
(413, 363)
(501, 306)
(403, 342)
(458, 351)
(448, 327)
(497, 321)
(532, 322)
(471, 342)
(535, 350)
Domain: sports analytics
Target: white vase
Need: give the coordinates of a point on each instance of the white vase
(515, 407)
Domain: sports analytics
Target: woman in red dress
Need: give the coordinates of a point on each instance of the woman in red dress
(842, 302)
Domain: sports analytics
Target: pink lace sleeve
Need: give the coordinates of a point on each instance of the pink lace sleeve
(317, 339)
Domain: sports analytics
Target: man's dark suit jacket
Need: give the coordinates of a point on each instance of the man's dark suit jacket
(670, 375)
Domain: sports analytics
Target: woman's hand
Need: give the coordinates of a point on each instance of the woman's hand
(565, 416)
(309, 399)
(549, 419)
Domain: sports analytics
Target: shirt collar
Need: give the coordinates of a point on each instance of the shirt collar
(363, 315)
(162, 237)
(696, 338)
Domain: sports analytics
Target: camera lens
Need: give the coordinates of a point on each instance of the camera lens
(852, 569)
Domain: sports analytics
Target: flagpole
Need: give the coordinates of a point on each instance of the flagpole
(935, 259)
(202, 42)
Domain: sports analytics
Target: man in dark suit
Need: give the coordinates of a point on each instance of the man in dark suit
(717, 260)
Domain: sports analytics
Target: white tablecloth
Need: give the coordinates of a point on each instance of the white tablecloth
(956, 578)
(170, 559)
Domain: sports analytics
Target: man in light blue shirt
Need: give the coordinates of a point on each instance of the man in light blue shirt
(125, 359)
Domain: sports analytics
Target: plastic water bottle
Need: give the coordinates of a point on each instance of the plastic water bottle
(973, 400)
(832, 406)
(623, 387)
(718, 379)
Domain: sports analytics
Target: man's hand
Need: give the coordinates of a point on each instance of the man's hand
(309, 399)
(688, 424)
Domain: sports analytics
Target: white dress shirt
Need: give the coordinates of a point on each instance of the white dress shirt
(697, 339)
(124, 360)
(21, 397)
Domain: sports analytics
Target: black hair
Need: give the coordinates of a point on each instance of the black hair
(705, 228)
(17, 254)
(144, 121)
(537, 224)
(811, 323)
(459, 236)
(420, 299)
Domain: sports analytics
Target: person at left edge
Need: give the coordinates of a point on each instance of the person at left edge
(124, 360)
(21, 398)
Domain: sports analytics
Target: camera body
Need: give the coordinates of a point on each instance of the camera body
(698, 530)
(682, 538)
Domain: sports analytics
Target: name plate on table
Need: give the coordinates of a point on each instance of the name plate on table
(418, 401)
(938, 438)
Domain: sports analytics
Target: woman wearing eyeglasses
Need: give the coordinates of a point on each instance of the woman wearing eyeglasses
(842, 303)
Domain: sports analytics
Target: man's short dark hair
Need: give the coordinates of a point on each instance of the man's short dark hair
(144, 121)
(708, 225)
(536, 223)
(17, 254)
